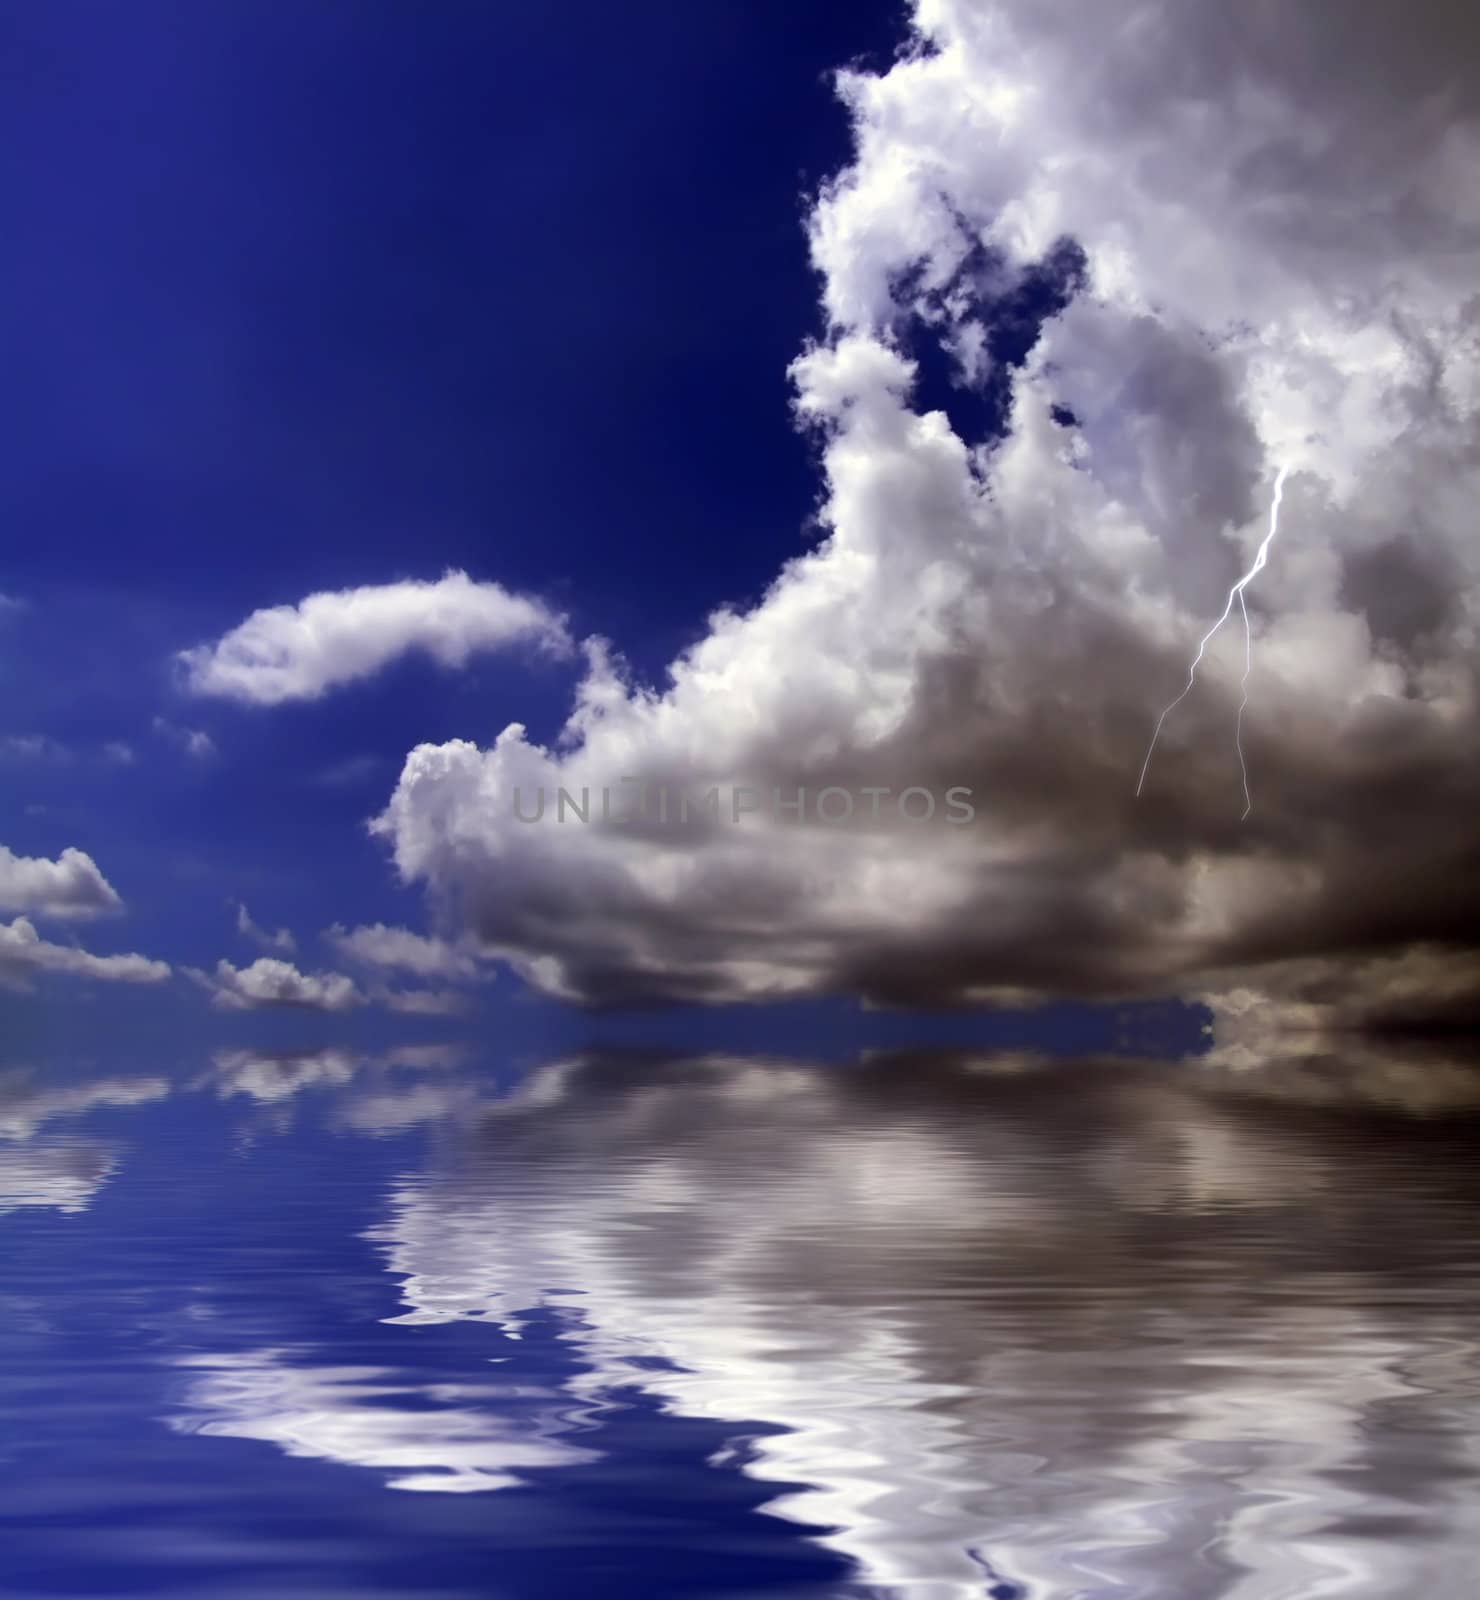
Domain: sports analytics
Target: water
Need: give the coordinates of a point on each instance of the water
(935, 1327)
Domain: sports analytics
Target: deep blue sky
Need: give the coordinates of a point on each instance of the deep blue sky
(299, 297)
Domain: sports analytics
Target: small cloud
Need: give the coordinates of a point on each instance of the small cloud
(119, 753)
(300, 652)
(33, 747)
(195, 742)
(24, 953)
(423, 1002)
(401, 950)
(281, 940)
(270, 983)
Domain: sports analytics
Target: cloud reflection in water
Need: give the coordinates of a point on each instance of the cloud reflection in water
(1074, 1330)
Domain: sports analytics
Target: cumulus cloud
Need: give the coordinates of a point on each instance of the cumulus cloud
(1251, 244)
(268, 982)
(71, 886)
(24, 954)
(400, 950)
(300, 652)
(281, 940)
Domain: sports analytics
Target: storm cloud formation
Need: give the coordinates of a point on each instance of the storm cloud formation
(1260, 234)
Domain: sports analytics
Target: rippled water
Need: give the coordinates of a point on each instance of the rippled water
(931, 1327)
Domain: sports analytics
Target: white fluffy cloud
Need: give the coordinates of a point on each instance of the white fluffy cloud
(270, 982)
(300, 652)
(24, 954)
(1275, 236)
(71, 886)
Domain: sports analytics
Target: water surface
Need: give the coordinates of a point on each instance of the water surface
(930, 1326)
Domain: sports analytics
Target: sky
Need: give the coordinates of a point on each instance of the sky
(409, 404)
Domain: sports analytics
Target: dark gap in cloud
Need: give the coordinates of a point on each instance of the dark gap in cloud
(1012, 313)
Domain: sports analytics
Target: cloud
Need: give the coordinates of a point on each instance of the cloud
(24, 953)
(120, 753)
(400, 950)
(335, 637)
(1242, 246)
(268, 982)
(71, 886)
(281, 940)
(423, 1002)
(195, 742)
(28, 748)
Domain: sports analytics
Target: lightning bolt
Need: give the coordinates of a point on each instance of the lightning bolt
(1261, 560)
